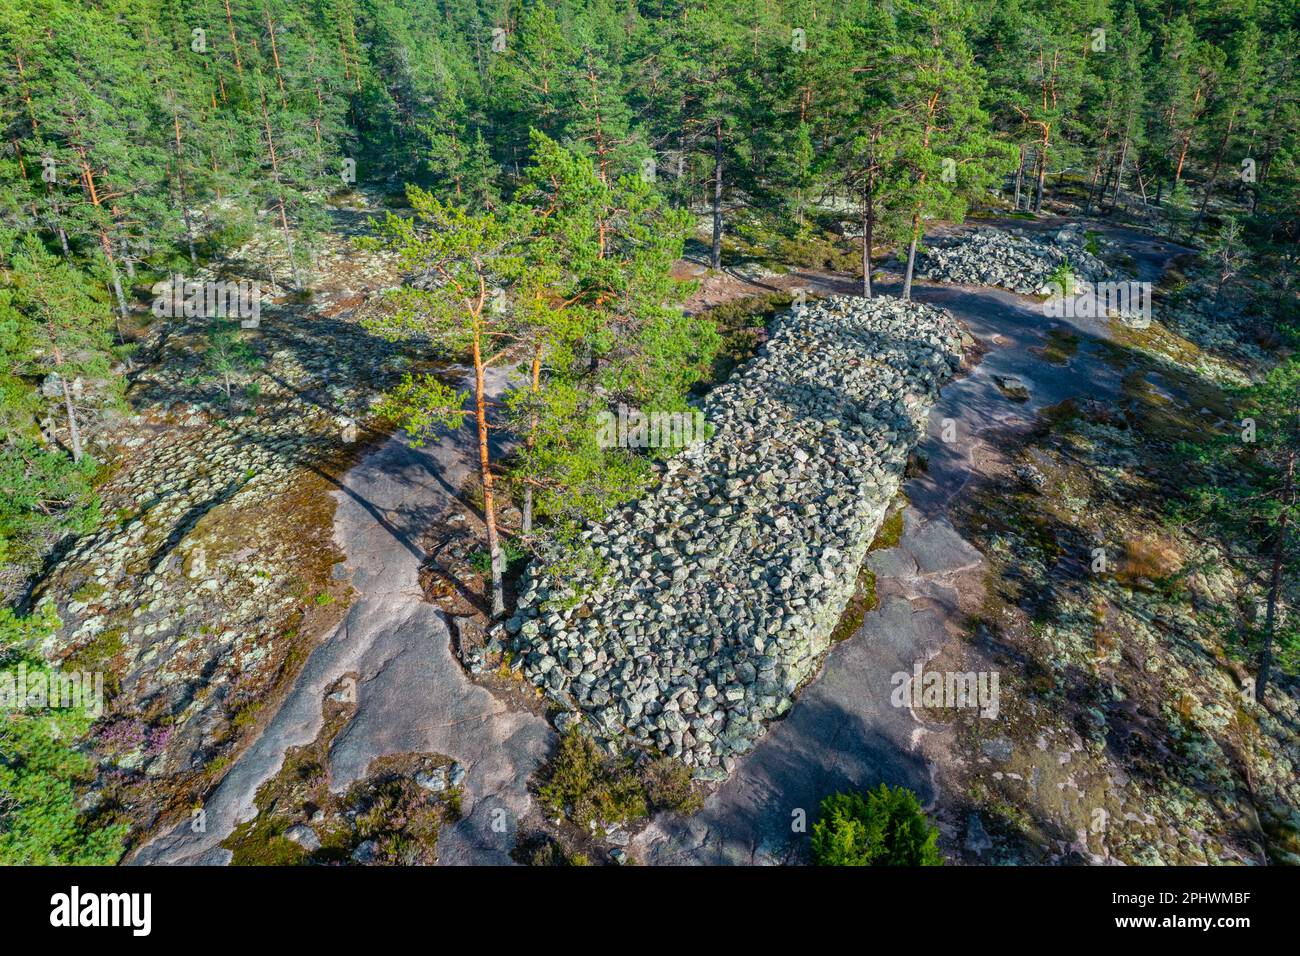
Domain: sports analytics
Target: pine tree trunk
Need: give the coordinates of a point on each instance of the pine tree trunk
(288, 242)
(526, 523)
(868, 224)
(57, 220)
(88, 180)
(911, 259)
(275, 172)
(230, 22)
(275, 50)
(117, 283)
(189, 228)
(1020, 176)
(715, 255)
(1092, 187)
(1042, 177)
(1214, 174)
(485, 472)
(73, 430)
(1119, 175)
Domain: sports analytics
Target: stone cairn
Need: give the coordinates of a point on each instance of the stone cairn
(707, 604)
(1011, 259)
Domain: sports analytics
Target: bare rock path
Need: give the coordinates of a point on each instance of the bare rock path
(412, 694)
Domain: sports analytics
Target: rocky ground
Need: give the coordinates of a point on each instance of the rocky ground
(1129, 733)
(1014, 259)
(213, 571)
(260, 596)
(408, 698)
(1123, 734)
(711, 601)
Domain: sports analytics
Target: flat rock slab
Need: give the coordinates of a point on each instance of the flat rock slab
(929, 547)
(412, 694)
(413, 697)
(373, 633)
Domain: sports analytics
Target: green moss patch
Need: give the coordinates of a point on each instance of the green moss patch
(891, 531)
(1062, 345)
(862, 603)
(105, 653)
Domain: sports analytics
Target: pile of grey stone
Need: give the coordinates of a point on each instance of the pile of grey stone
(1012, 259)
(684, 622)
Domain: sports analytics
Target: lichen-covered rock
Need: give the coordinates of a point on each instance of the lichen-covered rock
(216, 535)
(709, 602)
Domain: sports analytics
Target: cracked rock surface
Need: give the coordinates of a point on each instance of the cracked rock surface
(412, 696)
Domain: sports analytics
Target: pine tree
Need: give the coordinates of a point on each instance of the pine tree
(43, 823)
(1181, 77)
(857, 93)
(469, 255)
(64, 322)
(704, 54)
(945, 153)
(1121, 103)
(1255, 493)
(1235, 107)
(597, 305)
(228, 354)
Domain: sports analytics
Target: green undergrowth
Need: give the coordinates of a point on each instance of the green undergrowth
(542, 849)
(589, 788)
(780, 244)
(741, 324)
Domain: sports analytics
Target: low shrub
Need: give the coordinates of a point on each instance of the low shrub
(587, 787)
(668, 786)
(883, 827)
